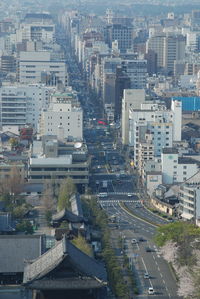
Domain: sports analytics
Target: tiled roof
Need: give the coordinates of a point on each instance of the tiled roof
(16, 249)
(82, 263)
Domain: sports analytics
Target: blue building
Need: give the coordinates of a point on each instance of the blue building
(189, 103)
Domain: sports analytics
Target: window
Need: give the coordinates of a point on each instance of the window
(60, 117)
(175, 161)
(175, 166)
(159, 133)
(185, 167)
(60, 124)
(184, 173)
(167, 144)
(174, 172)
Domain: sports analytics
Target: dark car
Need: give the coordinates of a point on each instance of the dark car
(148, 249)
(141, 239)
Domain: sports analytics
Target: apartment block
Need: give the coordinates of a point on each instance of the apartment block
(176, 169)
(64, 117)
(23, 104)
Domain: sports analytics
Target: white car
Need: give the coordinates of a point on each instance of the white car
(129, 194)
(151, 291)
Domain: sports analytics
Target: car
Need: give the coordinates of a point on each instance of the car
(146, 275)
(141, 239)
(148, 249)
(151, 291)
(134, 241)
(129, 194)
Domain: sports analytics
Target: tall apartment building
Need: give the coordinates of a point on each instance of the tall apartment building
(64, 117)
(155, 119)
(22, 104)
(41, 67)
(132, 98)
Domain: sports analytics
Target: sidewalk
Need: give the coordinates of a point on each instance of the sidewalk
(115, 244)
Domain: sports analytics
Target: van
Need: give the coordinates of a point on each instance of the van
(151, 291)
(103, 194)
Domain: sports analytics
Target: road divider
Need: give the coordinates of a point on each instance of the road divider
(131, 213)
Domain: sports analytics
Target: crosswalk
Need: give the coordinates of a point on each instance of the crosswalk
(105, 201)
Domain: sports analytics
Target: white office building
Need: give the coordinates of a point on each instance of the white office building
(64, 117)
(22, 104)
(41, 67)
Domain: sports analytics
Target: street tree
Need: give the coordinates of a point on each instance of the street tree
(67, 189)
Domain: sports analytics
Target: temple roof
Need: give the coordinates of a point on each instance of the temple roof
(87, 267)
(68, 216)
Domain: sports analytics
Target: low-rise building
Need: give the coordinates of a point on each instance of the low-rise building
(52, 159)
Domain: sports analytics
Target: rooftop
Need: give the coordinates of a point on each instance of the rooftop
(41, 160)
(170, 150)
(16, 249)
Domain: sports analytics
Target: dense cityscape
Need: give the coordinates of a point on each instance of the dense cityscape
(99, 149)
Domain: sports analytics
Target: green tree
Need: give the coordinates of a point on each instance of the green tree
(25, 226)
(176, 232)
(67, 188)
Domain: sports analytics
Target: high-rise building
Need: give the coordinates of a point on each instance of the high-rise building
(132, 98)
(122, 33)
(169, 48)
